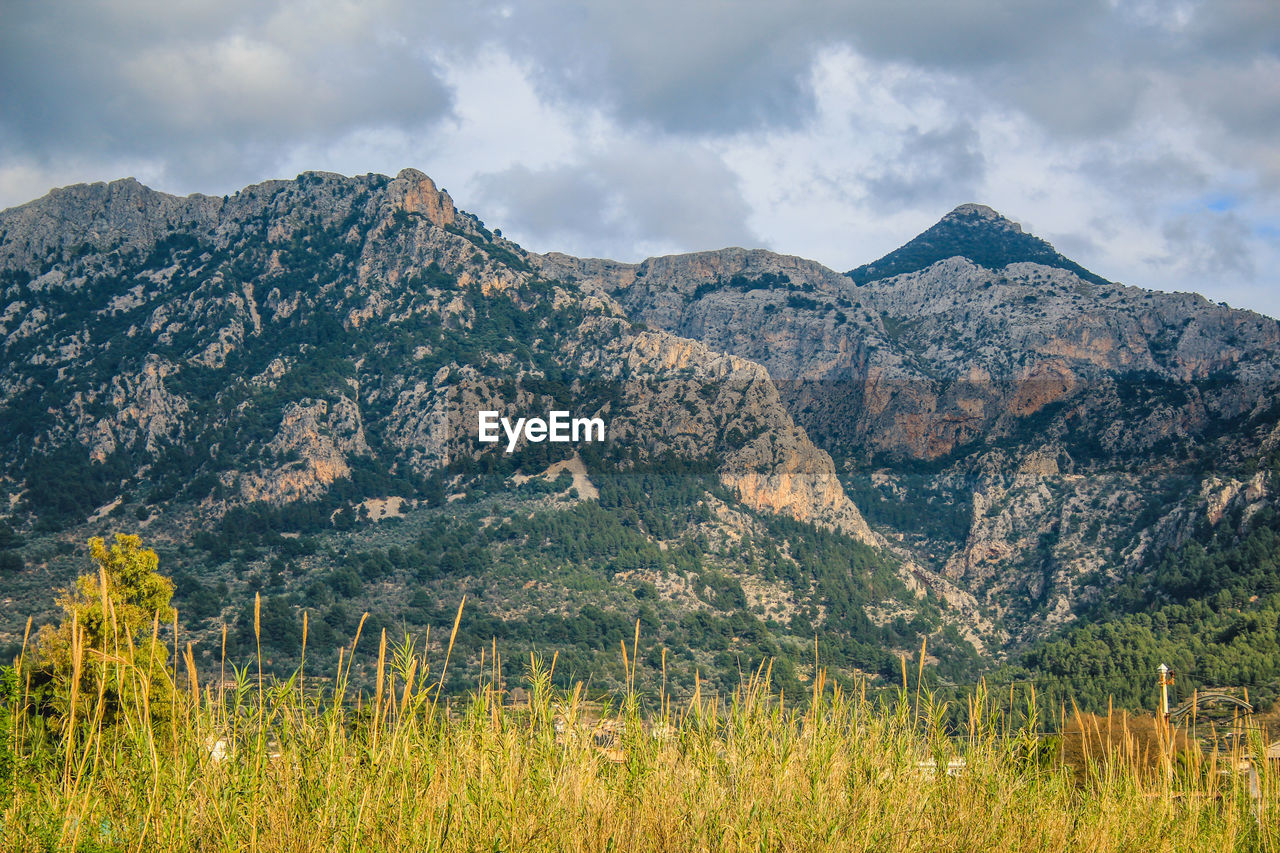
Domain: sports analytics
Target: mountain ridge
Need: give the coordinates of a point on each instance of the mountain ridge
(972, 376)
(229, 371)
(1022, 438)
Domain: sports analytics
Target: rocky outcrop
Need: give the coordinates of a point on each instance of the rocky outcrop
(310, 450)
(414, 193)
(706, 400)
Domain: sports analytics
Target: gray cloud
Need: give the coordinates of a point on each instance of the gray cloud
(685, 67)
(1234, 27)
(209, 89)
(1244, 97)
(716, 67)
(141, 77)
(652, 198)
(1091, 101)
(967, 34)
(1209, 245)
(930, 165)
(1148, 176)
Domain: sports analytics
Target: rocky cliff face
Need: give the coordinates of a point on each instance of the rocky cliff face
(1013, 420)
(710, 400)
(926, 362)
(284, 320)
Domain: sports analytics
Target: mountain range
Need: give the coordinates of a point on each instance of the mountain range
(972, 441)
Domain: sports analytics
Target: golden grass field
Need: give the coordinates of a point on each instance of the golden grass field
(234, 761)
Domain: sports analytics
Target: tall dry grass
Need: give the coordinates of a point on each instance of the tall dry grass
(247, 763)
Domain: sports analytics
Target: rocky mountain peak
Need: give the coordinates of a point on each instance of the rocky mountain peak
(975, 232)
(414, 192)
(979, 215)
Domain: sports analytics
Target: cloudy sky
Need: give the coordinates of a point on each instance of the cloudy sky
(1141, 138)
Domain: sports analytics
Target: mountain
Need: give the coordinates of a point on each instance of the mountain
(1048, 442)
(282, 388)
(330, 285)
(978, 234)
(973, 440)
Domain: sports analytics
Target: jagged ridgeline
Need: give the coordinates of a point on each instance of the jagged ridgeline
(280, 390)
(973, 440)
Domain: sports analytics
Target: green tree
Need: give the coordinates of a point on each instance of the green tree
(106, 652)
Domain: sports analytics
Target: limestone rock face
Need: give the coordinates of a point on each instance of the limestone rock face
(675, 396)
(927, 362)
(237, 310)
(121, 213)
(1050, 408)
(709, 400)
(799, 481)
(415, 193)
(311, 450)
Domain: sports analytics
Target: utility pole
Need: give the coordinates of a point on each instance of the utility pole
(1166, 749)
(1166, 678)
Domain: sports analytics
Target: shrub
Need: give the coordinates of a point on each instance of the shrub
(107, 643)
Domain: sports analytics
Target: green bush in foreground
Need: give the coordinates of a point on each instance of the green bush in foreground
(113, 613)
